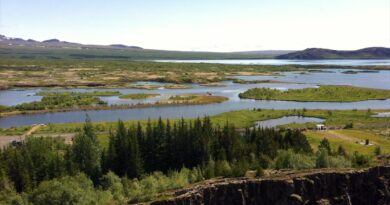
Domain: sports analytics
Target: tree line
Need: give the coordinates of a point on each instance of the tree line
(136, 152)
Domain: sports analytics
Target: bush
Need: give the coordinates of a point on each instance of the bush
(72, 190)
(289, 159)
(112, 183)
(322, 160)
(339, 162)
(222, 168)
(377, 150)
(360, 160)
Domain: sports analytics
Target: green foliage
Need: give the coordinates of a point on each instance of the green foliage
(139, 96)
(378, 150)
(325, 93)
(77, 190)
(360, 160)
(60, 101)
(325, 145)
(86, 151)
(322, 160)
(290, 159)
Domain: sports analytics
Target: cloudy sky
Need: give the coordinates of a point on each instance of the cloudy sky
(212, 25)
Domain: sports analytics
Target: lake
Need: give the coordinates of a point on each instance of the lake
(342, 62)
(295, 80)
(287, 120)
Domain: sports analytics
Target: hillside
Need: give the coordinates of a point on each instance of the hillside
(56, 49)
(319, 53)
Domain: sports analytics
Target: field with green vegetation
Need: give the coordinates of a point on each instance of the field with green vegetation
(353, 140)
(118, 54)
(325, 93)
(139, 96)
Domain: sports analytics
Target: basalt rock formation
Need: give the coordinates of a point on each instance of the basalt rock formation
(322, 187)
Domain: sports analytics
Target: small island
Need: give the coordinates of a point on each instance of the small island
(193, 99)
(138, 96)
(325, 93)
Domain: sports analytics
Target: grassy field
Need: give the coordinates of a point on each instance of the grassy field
(351, 139)
(325, 93)
(139, 96)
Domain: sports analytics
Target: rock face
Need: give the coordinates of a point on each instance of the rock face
(365, 187)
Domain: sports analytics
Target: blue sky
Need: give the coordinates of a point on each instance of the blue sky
(214, 25)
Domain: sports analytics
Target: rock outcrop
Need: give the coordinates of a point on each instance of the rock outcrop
(321, 187)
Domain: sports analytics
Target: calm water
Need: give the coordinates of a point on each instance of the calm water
(296, 80)
(287, 120)
(289, 62)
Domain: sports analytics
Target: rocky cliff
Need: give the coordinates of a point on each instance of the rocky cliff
(322, 187)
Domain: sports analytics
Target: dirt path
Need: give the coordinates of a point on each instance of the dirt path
(33, 129)
(5, 140)
(334, 134)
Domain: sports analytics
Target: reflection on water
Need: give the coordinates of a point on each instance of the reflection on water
(287, 120)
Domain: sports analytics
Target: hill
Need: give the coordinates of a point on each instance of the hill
(320, 53)
(57, 49)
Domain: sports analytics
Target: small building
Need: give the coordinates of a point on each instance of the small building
(320, 127)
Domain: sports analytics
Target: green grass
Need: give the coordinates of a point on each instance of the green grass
(326, 93)
(139, 96)
(349, 143)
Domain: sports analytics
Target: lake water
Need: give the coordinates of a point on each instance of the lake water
(296, 80)
(343, 62)
(287, 120)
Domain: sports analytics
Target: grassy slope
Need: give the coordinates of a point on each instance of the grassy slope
(349, 139)
(119, 54)
(325, 93)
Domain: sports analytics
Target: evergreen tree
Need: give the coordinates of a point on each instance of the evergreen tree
(86, 152)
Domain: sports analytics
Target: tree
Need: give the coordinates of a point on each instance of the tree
(86, 152)
(341, 151)
(324, 144)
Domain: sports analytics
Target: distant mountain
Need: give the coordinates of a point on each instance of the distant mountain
(320, 53)
(55, 43)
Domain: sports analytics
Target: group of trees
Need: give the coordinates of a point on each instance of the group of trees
(137, 153)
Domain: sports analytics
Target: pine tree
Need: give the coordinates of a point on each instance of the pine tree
(86, 152)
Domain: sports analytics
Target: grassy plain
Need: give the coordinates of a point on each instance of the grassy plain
(325, 93)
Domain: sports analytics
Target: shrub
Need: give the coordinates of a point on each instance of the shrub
(360, 160)
(291, 160)
(322, 159)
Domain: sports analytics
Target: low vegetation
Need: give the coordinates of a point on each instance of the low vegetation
(60, 101)
(139, 96)
(193, 99)
(325, 93)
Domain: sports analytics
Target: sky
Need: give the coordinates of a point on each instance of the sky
(203, 25)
